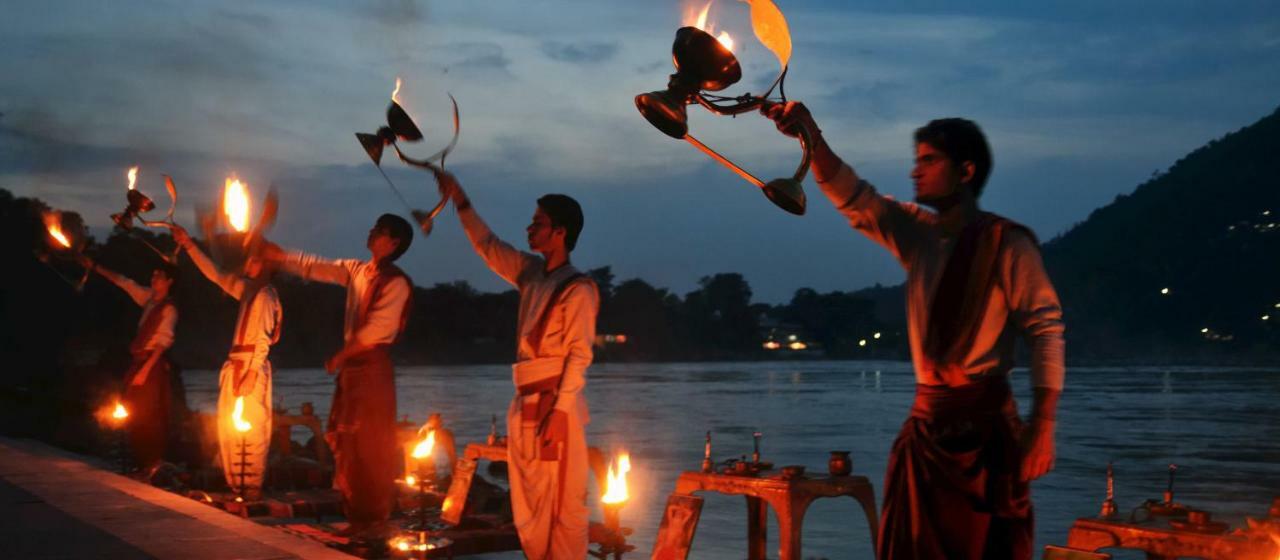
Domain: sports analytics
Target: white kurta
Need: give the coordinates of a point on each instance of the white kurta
(382, 323)
(548, 497)
(1023, 299)
(243, 455)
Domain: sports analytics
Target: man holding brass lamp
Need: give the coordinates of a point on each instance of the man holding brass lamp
(958, 474)
(547, 449)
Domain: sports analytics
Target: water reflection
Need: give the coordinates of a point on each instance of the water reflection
(1220, 426)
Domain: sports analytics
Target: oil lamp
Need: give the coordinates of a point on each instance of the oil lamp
(705, 64)
(120, 416)
(400, 127)
(137, 202)
(241, 426)
(67, 240)
(615, 496)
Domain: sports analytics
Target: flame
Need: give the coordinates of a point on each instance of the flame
(424, 447)
(133, 176)
(237, 416)
(700, 21)
(411, 480)
(53, 223)
(616, 490)
(395, 95)
(120, 413)
(771, 29)
(235, 204)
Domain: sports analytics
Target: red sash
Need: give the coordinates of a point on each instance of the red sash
(971, 273)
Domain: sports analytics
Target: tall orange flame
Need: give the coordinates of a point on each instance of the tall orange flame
(133, 176)
(395, 95)
(237, 416)
(700, 21)
(53, 223)
(424, 447)
(235, 204)
(616, 487)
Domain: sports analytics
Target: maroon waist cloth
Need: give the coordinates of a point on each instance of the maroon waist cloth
(362, 435)
(952, 488)
(148, 406)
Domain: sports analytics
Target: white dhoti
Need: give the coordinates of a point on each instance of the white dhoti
(253, 443)
(548, 483)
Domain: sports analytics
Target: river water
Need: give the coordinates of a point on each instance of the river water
(1221, 426)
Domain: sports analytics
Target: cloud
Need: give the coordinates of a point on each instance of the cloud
(580, 53)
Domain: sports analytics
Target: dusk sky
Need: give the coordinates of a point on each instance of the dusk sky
(1081, 101)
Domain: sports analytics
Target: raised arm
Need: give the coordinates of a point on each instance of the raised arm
(310, 267)
(1035, 309)
(230, 283)
(138, 293)
(894, 225)
(503, 259)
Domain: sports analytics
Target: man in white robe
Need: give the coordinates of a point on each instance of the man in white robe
(547, 448)
(246, 375)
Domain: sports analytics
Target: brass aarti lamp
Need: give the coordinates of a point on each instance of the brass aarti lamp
(704, 64)
(400, 127)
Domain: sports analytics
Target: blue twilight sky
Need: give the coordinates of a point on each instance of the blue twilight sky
(1081, 100)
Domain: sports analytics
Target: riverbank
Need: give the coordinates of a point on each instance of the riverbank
(56, 504)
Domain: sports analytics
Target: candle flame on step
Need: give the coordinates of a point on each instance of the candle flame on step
(424, 447)
(616, 487)
(120, 413)
(237, 416)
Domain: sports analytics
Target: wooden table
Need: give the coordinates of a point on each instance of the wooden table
(1161, 541)
(789, 498)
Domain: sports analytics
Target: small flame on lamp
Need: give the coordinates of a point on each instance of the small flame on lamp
(120, 413)
(53, 223)
(424, 447)
(616, 488)
(411, 480)
(395, 95)
(237, 416)
(701, 23)
(133, 176)
(235, 204)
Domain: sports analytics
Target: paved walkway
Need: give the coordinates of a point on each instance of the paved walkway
(56, 505)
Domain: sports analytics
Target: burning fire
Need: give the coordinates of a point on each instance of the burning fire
(120, 413)
(53, 223)
(616, 491)
(424, 447)
(700, 21)
(237, 416)
(411, 480)
(235, 204)
(395, 95)
(133, 176)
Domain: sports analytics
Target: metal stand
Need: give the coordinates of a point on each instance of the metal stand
(242, 465)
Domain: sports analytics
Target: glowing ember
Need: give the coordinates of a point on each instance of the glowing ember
(411, 480)
(120, 413)
(424, 447)
(700, 21)
(133, 176)
(395, 95)
(237, 416)
(53, 223)
(235, 204)
(616, 488)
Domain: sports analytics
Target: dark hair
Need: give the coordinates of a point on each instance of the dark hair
(170, 270)
(400, 230)
(961, 140)
(564, 212)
